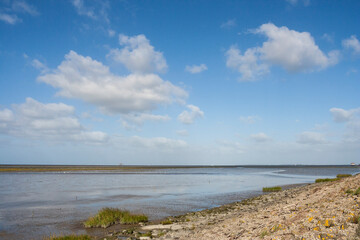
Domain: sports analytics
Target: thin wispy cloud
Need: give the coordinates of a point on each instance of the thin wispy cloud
(228, 24)
(11, 12)
(196, 68)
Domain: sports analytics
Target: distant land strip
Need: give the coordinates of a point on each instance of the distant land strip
(74, 168)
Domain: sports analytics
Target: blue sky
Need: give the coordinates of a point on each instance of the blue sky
(179, 82)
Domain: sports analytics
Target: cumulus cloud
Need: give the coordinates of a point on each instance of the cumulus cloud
(352, 43)
(188, 117)
(133, 120)
(138, 55)
(311, 138)
(229, 24)
(294, 51)
(196, 68)
(249, 119)
(89, 80)
(11, 10)
(247, 64)
(52, 121)
(342, 115)
(260, 137)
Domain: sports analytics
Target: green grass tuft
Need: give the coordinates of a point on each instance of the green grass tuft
(319, 180)
(357, 192)
(343, 175)
(166, 222)
(349, 191)
(272, 189)
(70, 237)
(109, 216)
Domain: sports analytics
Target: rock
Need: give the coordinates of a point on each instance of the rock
(145, 238)
(158, 226)
(176, 227)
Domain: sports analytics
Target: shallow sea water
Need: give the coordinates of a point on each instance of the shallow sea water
(33, 205)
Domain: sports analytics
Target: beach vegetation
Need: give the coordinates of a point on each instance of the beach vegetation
(264, 233)
(166, 222)
(69, 237)
(319, 180)
(349, 191)
(354, 219)
(357, 191)
(109, 216)
(272, 189)
(148, 234)
(343, 175)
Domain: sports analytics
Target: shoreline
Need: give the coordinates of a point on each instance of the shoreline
(311, 211)
(193, 225)
(8, 168)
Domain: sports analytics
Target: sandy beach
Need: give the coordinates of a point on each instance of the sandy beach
(315, 211)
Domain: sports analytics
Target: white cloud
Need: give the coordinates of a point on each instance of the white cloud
(9, 13)
(229, 24)
(89, 80)
(82, 10)
(351, 118)
(9, 18)
(352, 43)
(160, 143)
(294, 51)
(248, 64)
(132, 120)
(342, 115)
(311, 138)
(40, 66)
(196, 68)
(328, 37)
(111, 33)
(295, 2)
(138, 55)
(260, 137)
(249, 119)
(97, 11)
(188, 117)
(52, 121)
(6, 115)
(22, 6)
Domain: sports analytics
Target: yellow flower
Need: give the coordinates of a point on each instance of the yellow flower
(310, 219)
(326, 223)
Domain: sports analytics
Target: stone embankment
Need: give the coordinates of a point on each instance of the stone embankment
(328, 210)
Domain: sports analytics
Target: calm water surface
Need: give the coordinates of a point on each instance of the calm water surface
(33, 205)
